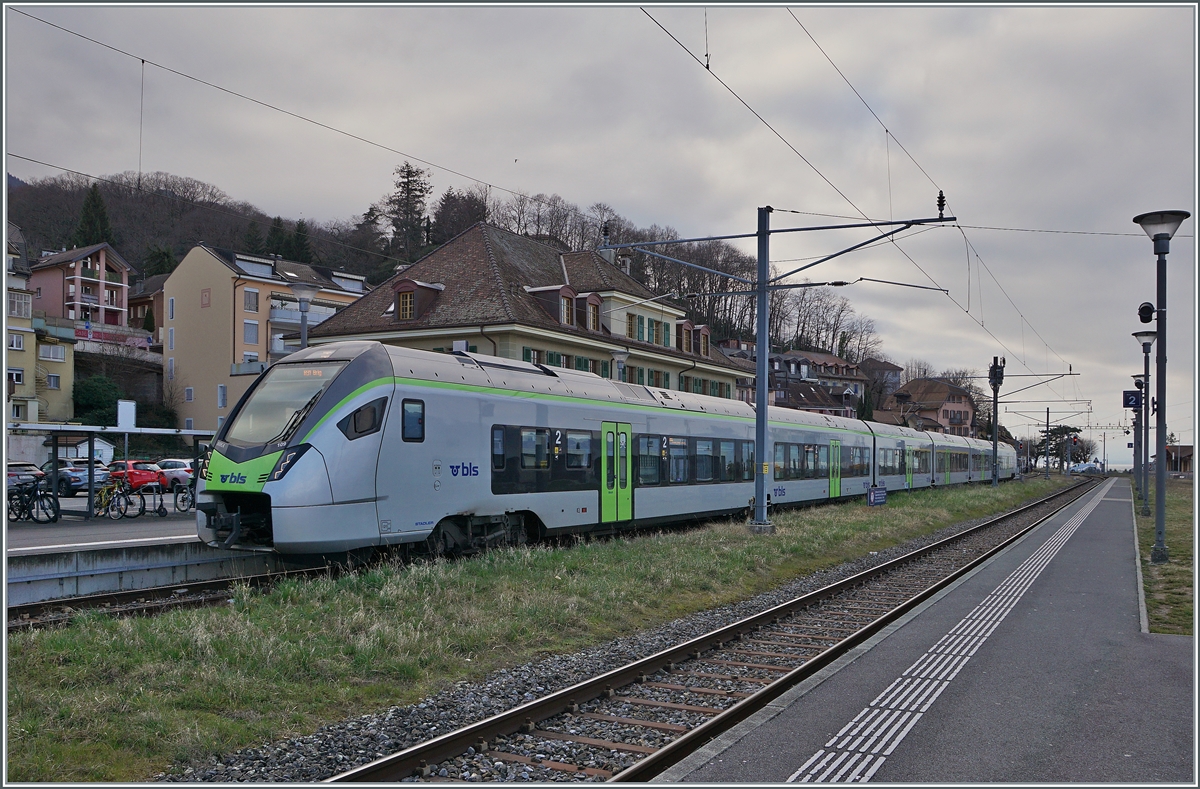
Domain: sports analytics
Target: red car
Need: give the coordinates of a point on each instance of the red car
(140, 472)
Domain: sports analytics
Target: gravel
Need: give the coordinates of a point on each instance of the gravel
(338, 747)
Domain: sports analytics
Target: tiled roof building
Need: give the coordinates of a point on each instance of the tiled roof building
(495, 292)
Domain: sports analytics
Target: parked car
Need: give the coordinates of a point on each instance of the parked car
(178, 471)
(139, 472)
(19, 473)
(73, 474)
(1085, 468)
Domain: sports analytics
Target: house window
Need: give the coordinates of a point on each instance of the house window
(187, 424)
(594, 317)
(220, 421)
(566, 310)
(249, 357)
(404, 308)
(250, 332)
(70, 288)
(18, 411)
(16, 375)
(171, 308)
(250, 299)
(16, 342)
(687, 341)
(53, 381)
(189, 394)
(20, 305)
(52, 353)
(170, 368)
(704, 345)
(222, 396)
(38, 295)
(630, 326)
(171, 339)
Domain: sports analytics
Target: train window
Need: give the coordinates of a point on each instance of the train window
(647, 460)
(413, 419)
(498, 448)
(364, 421)
(822, 462)
(535, 446)
(747, 460)
(781, 461)
(678, 460)
(579, 450)
(623, 460)
(704, 460)
(794, 455)
(610, 452)
(728, 464)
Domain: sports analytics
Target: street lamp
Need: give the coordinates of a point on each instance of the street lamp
(620, 357)
(305, 293)
(1146, 338)
(1160, 226)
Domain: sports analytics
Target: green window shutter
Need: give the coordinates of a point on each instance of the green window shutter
(666, 380)
(667, 335)
(603, 369)
(641, 373)
(527, 354)
(641, 327)
(472, 349)
(581, 363)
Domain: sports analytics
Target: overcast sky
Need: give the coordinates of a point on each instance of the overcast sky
(1069, 119)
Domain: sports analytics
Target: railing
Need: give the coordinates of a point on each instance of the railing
(279, 315)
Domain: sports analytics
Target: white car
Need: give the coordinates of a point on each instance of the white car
(177, 470)
(1085, 468)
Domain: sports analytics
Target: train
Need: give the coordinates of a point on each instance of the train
(359, 446)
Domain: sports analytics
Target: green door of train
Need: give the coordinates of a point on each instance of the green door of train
(616, 472)
(908, 468)
(835, 469)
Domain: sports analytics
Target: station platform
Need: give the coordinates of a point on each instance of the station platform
(1034, 668)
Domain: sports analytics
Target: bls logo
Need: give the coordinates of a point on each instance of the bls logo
(234, 479)
(464, 470)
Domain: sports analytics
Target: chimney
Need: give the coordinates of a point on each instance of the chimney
(624, 261)
(607, 254)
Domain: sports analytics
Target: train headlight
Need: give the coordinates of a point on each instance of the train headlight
(286, 461)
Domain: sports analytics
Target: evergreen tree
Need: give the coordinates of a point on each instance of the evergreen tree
(148, 323)
(252, 241)
(299, 249)
(277, 238)
(160, 260)
(96, 400)
(407, 208)
(456, 211)
(94, 227)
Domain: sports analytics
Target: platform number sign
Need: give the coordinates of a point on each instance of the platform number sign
(1131, 398)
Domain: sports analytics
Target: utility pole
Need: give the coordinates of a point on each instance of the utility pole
(759, 524)
(995, 378)
(1047, 443)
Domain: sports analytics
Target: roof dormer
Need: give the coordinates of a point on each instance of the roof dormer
(413, 298)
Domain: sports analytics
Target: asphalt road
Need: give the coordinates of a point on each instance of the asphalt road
(1032, 669)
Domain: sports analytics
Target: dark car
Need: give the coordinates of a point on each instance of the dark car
(20, 473)
(73, 474)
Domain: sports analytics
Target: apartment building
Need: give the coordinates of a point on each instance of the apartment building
(495, 292)
(226, 316)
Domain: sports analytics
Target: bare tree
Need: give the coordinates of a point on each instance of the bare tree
(914, 369)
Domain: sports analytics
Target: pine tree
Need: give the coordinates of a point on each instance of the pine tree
(277, 238)
(252, 241)
(94, 227)
(160, 260)
(299, 249)
(406, 210)
(148, 323)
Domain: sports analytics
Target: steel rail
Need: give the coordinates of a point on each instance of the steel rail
(416, 759)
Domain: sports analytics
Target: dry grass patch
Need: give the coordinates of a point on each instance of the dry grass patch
(120, 700)
(1169, 587)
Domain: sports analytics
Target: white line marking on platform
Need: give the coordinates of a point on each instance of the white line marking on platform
(921, 683)
(177, 538)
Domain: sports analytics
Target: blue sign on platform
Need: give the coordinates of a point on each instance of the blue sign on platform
(876, 496)
(1131, 398)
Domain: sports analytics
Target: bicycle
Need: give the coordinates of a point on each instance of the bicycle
(111, 500)
(31, 500)
(185, 496)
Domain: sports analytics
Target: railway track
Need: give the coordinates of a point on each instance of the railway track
(633, 722)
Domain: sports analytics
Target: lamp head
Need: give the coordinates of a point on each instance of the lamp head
(1145, 337)
(305, 292)
(1158, 223)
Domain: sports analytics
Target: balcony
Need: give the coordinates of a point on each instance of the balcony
(285, 318)
(247, 368)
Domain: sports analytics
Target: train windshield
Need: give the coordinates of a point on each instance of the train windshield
(278, 404)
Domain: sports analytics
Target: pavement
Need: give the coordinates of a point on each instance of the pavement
(1035, 667)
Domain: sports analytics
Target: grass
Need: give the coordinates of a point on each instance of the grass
(121, 700)
(1170, 596)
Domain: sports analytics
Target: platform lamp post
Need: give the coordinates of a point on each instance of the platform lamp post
(1146, 338)
(620, 357)
(1160, 226)
(1139, 469)
(305, 293)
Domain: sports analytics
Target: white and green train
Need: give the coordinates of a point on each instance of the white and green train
(358, 445)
